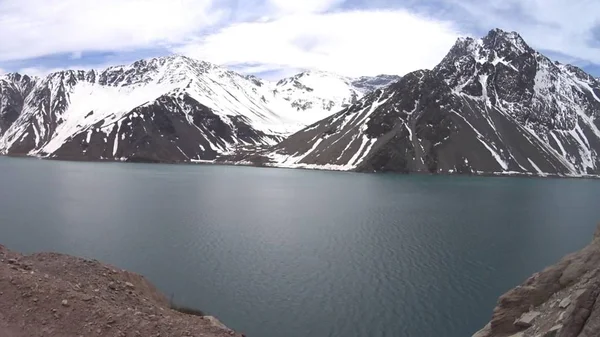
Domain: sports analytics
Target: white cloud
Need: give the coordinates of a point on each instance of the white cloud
(34, 28)
(303, 6)
(2, 71)
(352, 43)
(555, 25)
(280, 36)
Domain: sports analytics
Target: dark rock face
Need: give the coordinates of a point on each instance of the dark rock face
(414, 113)
(492, 105)
(170, 129)
(14, 88)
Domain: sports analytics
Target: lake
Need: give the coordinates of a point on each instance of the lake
(295, 253)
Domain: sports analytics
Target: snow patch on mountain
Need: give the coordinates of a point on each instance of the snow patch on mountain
(322, 93)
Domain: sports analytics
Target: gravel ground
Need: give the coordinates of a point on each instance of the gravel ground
(55, 295)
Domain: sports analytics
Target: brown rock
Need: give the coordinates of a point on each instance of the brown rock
(66, 281)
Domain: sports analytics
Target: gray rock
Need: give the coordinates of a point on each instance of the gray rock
(578, 318)
(526, 320)
(591, 327)
(578, 293)
(565, 303)
(553, 332)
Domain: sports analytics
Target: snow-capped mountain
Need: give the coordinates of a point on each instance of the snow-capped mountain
(367, 84)
(163, 109)
(493, 105)
(325, 93)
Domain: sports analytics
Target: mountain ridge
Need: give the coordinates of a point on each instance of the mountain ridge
(59, 115)
(492, 106)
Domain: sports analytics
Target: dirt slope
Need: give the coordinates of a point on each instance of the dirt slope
(54, 295)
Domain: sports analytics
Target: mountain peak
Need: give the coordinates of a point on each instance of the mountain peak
(16, 77)
(496, 47)
(493, 105)
(368, 83)
(319, 73)
(497, 32)
(497, 44)
(311, 76)
(171, 61)
(497, 39)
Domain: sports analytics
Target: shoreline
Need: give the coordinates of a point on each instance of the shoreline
(324, 169)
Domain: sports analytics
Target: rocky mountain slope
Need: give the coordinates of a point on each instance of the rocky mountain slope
(561, 301)
(56, 295)
(163, 109)
(493, 105)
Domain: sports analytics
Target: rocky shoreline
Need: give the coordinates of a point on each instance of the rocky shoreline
(560, 301)
(55, 295)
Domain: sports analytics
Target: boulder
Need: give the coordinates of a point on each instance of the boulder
(526, 320)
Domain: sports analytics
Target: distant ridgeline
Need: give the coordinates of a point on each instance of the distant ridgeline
(492, 106)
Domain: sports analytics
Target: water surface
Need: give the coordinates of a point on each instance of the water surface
(294, 253)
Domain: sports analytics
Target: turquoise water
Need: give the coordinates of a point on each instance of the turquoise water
(295, 253)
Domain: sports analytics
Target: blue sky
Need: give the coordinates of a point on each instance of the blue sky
(275, 38)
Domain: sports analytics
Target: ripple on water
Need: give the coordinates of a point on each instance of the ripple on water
(298, 253)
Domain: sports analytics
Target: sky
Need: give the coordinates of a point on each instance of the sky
(277, 38)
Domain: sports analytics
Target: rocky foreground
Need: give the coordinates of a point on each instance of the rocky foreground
(56, 295)
(561, 301)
